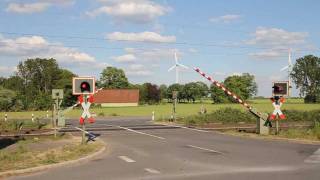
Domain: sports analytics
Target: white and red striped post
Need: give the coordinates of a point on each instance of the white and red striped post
(262, 116)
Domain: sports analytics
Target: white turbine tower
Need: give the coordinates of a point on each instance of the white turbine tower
(177, 66)
(289, 69)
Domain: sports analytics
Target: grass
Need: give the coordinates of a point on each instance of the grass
(302, 134)
(22, 157)
(164, 110)
(17, 124)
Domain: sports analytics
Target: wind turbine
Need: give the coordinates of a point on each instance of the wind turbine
(177, 66)
(288, 68)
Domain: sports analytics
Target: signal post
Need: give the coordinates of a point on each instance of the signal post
(84, 87)
(57, 118)
(280, 90)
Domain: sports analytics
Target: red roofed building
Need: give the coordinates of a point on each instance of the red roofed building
(117, 97)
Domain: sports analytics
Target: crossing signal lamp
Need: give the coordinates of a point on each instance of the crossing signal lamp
(83, 85)
(280, 88)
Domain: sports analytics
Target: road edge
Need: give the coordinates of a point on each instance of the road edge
(50, 166)
(249, 136)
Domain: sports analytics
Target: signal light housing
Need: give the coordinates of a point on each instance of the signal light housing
(280, 88)
(83, 85)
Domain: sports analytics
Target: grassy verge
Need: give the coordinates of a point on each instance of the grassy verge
(303, 135)
(17, 124)
(233, 117)
(24, 157)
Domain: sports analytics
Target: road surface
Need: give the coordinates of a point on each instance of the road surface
(182, 153)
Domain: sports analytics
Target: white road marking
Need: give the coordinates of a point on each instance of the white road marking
(138, 132)
(125, 158)
(205, 149)
(153, 171)
(314, 158)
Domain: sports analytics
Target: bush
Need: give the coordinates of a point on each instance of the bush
(306, 116)
(225, 115)
(101, 114)
(316, 129)
(231, 115)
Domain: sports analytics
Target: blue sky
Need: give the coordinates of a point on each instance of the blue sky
(222, 37)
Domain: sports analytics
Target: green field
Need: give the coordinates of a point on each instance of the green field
(164, 110)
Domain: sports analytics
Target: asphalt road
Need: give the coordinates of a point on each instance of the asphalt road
(181, 153)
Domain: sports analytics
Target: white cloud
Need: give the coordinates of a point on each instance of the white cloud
(229, 18)
(138, 70)
(276, 42)
(37, 46)
(268, 54)
(144, 62)
(146, 36)
(6, 70)
(127, 58)
(277, 37)
(134, 11)
(27, 8)
(153, 55)
(35, 7)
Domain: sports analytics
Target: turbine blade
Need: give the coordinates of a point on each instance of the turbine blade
(176, 57)
(284, 68)
(170, 69)
(181, 65)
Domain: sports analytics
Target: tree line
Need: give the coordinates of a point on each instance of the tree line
(29, 88)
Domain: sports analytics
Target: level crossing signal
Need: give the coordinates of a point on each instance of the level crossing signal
(83, 86)
(280, 88)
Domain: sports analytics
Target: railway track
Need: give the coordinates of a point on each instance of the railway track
(104, 127)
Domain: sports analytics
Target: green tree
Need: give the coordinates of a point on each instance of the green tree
(13, 82)
(149, 93)
(218, 95)
(163, 91)
(244, 86)
(7, 99)
(306, 75)
(191, 91)
(112, 77)
(65, 82)
(175, 87)
(38, 76)
(203, 88)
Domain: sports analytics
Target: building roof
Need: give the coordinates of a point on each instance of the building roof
(117, 96)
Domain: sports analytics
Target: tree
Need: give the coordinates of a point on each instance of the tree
(218, 95)
(163, 91)
(244, 86)
(112, 77)
(8, 99)
(203, 88)
(38, 77)
(175, 87)
(149, 93)
(65, 82)
(191, 91)
(306, 75)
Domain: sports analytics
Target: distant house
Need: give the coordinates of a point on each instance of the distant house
(117, 97)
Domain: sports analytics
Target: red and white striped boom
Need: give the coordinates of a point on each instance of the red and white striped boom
(229, 93)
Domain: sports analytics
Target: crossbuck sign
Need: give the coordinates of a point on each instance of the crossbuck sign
(277, 103)
(86, 102)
